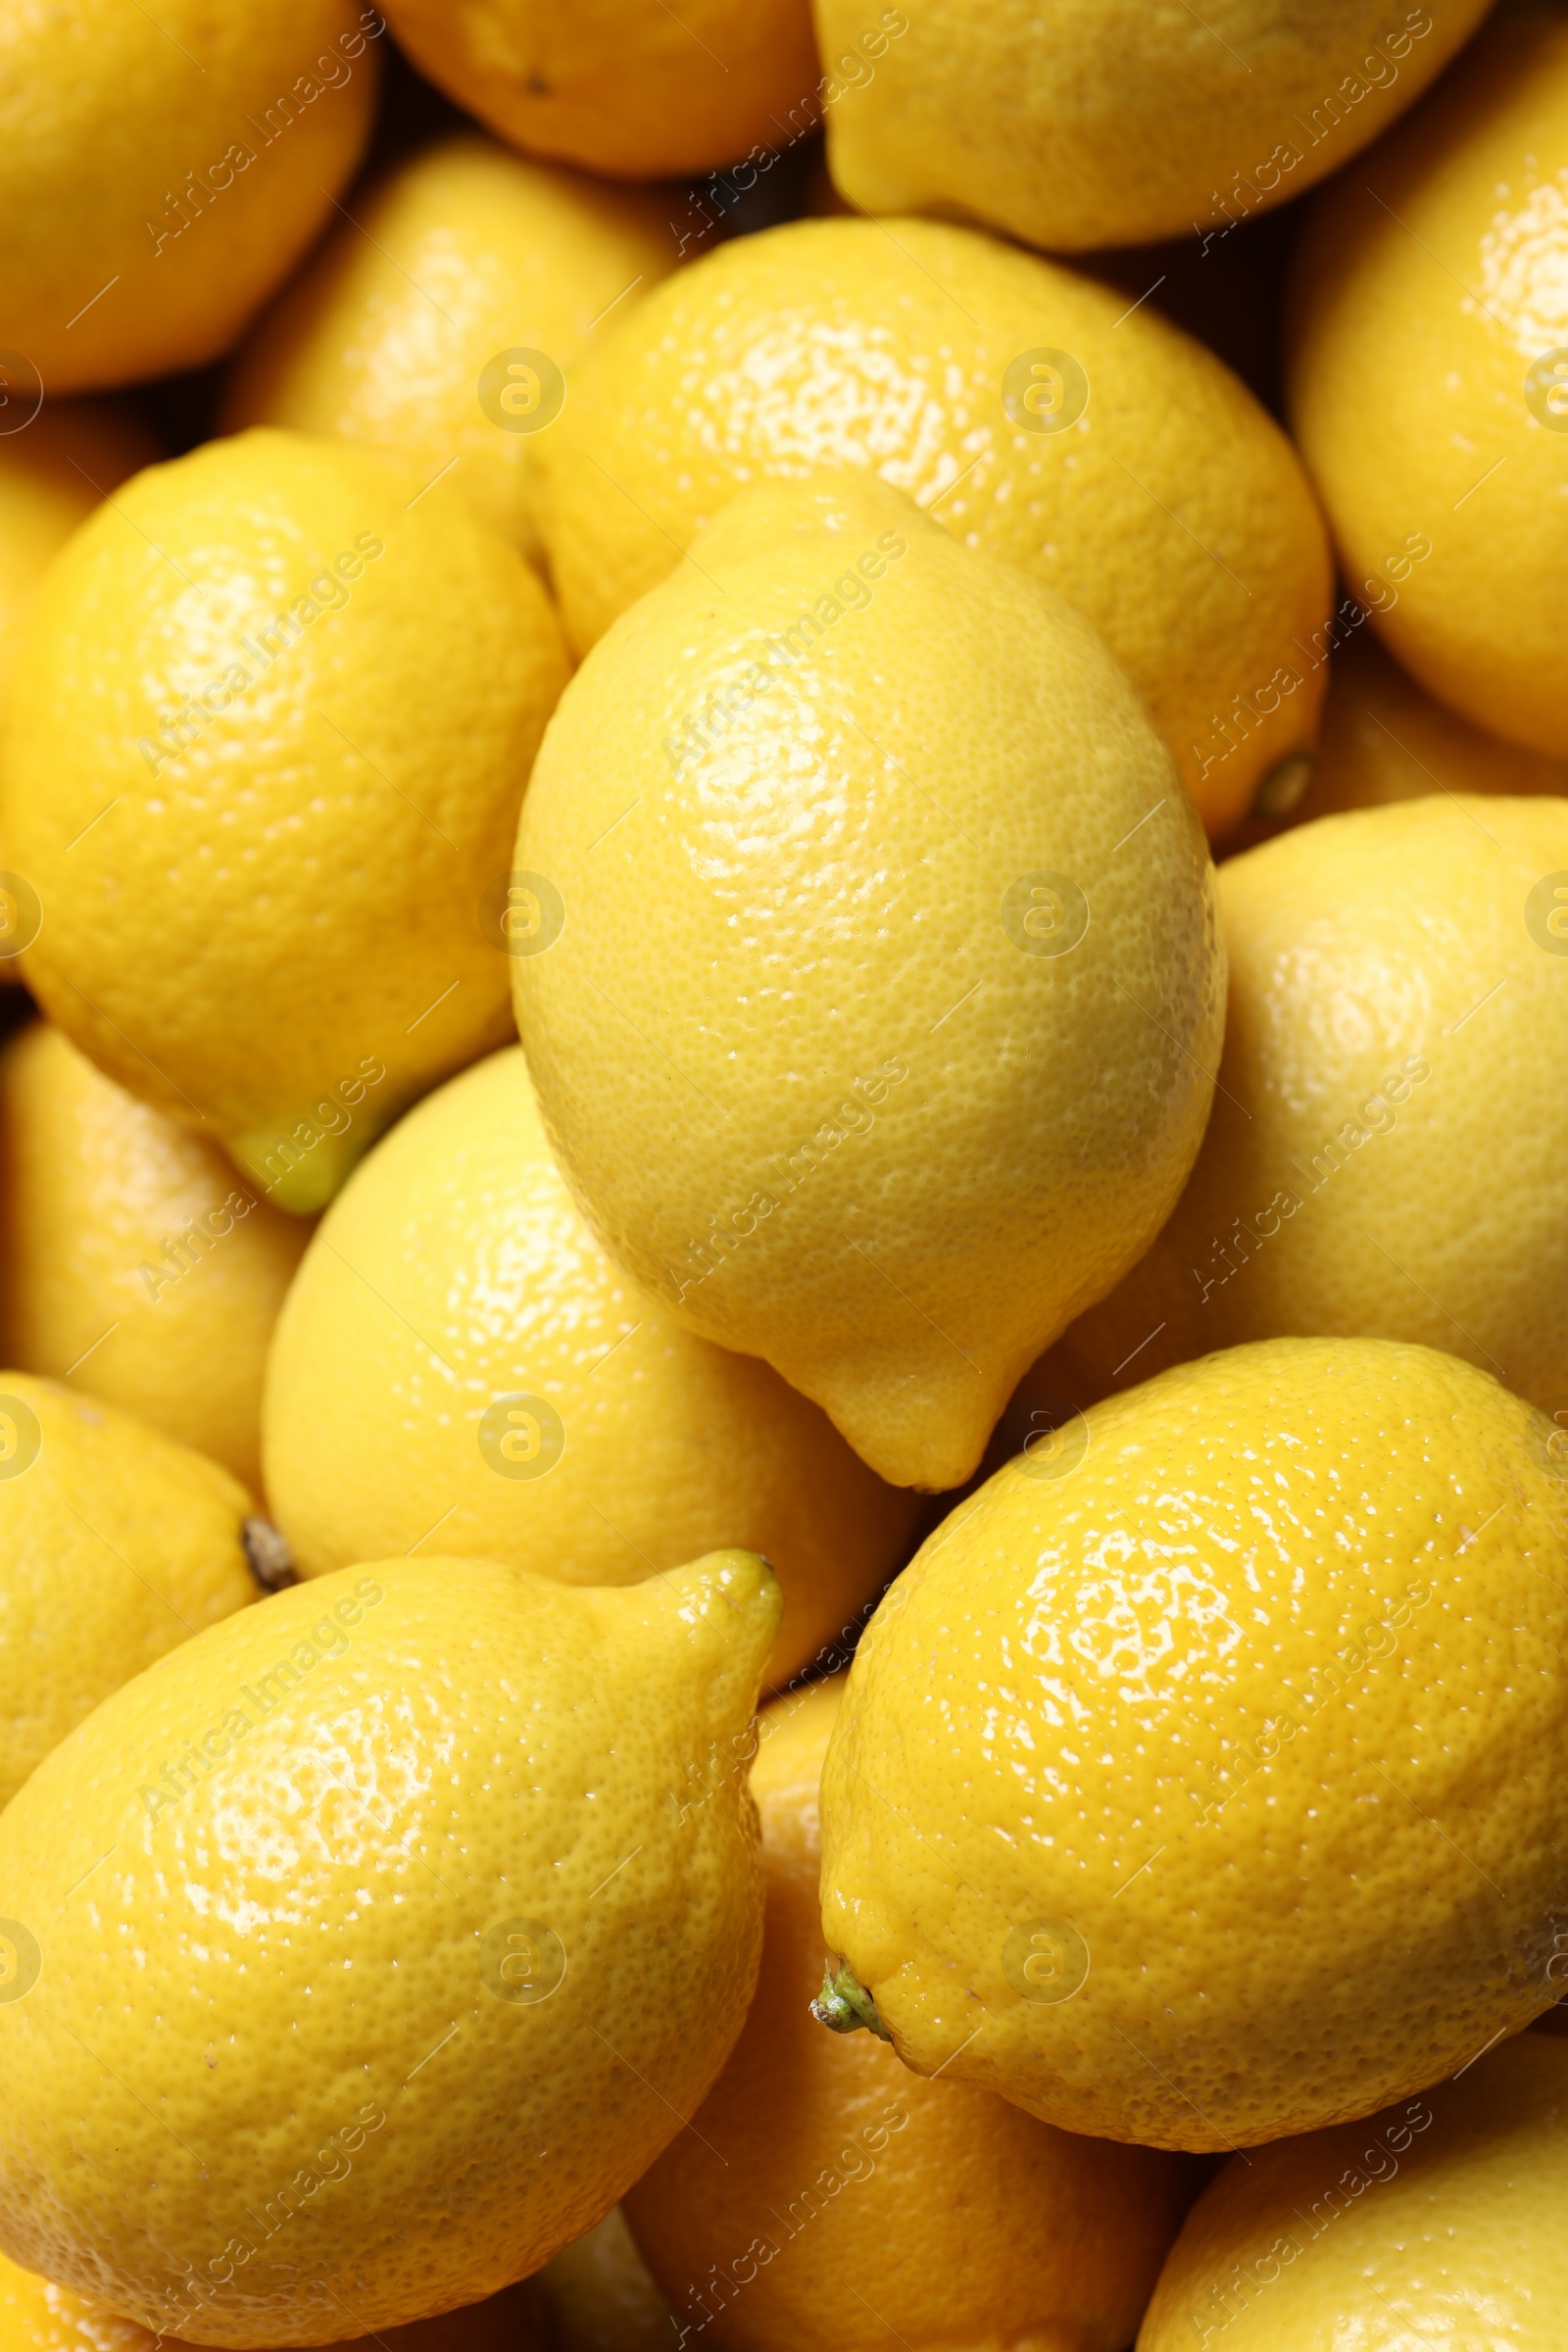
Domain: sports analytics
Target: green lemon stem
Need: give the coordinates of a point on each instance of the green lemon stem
(845, 2006)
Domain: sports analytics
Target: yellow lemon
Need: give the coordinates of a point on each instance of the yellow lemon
(116, 1544)
(626, 86)
(368, 1955)
(1031, 411)
(55, 465)
(37, 2315)
(131, 1258)
(460, 1363)
(1199, 1782)
(1079, 123)
(440, 324)
(1428, 380)
(278, 710)
(1398, 1002)
(600, 2297)
(1438, 2221)
(171, 166)
(824, 2196)
(874, 982)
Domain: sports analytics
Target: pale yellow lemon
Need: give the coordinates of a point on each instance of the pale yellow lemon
(1428, 379)
(276, 711)
(601, 2296)
(1397, 1019)
(440, 324)
(1199, 1782)
(1439, 2222)
(866, 965)
(629, 87)
(1034, 413)
(54, 469)
(38, 2316)
(382, 1894)
(116, 1547)
(171, 166)
(460, 1363)
(1091, 123)
(133, 1259)
(825, 2195)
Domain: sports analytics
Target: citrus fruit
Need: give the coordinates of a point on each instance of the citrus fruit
(1438, 2222)
(1196, 1784)
(54, 468)
(1032, 412)
(278, 709)
(871, 1017)
(392, 1913)
(170, 169)
(629, 87)
(132, 1258)
(1429, 380)
(440, 324)
(460, 1363)
(824, 2196)
(1081, 124)
(600, 2296)
(1398, 1000)
(116, 1546)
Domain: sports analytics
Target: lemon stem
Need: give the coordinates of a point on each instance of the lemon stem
(845, 2006)
(266, 1549)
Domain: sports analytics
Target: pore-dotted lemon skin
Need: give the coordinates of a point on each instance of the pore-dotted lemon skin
(404, 1947)
(1199, 1782)
(1428, 378)
(458, 1355)
(116, 1546)
(1107, 453)
(872, 1020)
(277, 709)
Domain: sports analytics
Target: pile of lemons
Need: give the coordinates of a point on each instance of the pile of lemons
(784, 1175)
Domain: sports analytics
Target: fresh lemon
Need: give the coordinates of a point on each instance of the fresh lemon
(824, 2196)
(132, 1256)
(278, 709)
(1398, 1002)
(426, 1959)
(1438, 2221)
(441, 324)
(875, 982)
(54, 468)
(1429, 380)
(1079, 123)
(629, 87)
(1199, 1781)
(600, 2297)
(116, 1546)
(460, 1363)
(1032, 412)
(171, 166)
(37, 2315)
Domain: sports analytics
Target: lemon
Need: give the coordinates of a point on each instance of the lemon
(824, 2196)
(600, 2297)
(37, 2315)
(1199, 1782)
(171, 166)
(1398, 1001)
(116, 1546)
(873, 982)
(458, 1362)
(1076, 123)
(1438, 2222)
(54, 468)
(400, 1956)
(440, 324)
(132, 1260)
(279, 706)
(625, 88)
(1029, 410)
(1428, 380)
